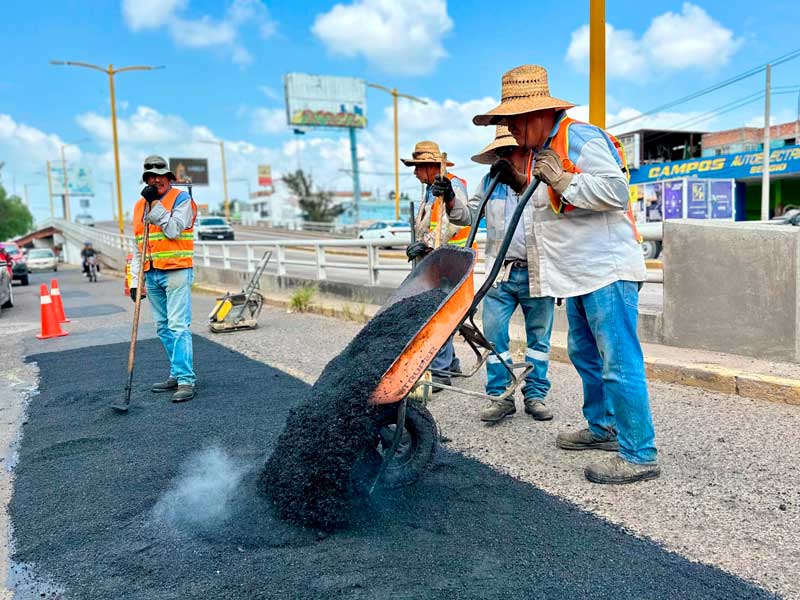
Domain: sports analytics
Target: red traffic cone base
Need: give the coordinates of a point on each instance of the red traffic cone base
(55, 296)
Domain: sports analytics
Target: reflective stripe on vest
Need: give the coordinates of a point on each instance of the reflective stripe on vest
(560, 145)
(162, 252)
(460, 237)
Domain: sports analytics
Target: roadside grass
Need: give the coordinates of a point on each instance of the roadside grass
(300, 300)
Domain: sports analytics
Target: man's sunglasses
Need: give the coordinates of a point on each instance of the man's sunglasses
(504, 152)
(155, 165)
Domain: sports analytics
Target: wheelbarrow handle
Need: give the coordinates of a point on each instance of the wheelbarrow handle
(501, 253)
(476, 220)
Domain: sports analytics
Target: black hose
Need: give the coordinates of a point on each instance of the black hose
(473, 231)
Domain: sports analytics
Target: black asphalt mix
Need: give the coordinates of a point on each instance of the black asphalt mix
(163, 503)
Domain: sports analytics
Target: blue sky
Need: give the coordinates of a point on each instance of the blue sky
(225, 61)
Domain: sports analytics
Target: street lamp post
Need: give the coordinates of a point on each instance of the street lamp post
(111, 71)
(66, 185)
(395, 95)
(221, 145)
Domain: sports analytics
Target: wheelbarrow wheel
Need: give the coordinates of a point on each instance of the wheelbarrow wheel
(416, 449)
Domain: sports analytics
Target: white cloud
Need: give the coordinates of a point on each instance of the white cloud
(204, 31)
(401, 37)
(271, 93)
(662, 120)
(269, 120)
(673, 41)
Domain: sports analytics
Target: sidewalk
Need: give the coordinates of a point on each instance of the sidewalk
(712, 371)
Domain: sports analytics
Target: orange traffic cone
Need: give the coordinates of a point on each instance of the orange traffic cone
(55, 295)
(50, 325)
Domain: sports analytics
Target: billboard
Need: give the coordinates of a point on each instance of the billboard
(194, 169)
(79, 180)
(322, 101)
(264, 176)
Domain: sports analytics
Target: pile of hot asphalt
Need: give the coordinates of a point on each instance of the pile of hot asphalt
(310, 474)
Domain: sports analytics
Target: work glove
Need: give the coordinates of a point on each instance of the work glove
(417, 250)
(150, 193)
(133, 295)
(508, 174)
(549, 168)
(442, 186)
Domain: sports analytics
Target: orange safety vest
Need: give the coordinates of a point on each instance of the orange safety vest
(460, 237)
(162, 252)
(560, 144)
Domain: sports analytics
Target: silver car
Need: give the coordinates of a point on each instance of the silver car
(42, 259)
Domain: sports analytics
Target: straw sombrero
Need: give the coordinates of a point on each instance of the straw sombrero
(425, 152)
(524, 90)
(502, 138)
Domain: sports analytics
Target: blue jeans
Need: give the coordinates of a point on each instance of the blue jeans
(445, 357)
(498, 306)
(604, 347)
(170, 295)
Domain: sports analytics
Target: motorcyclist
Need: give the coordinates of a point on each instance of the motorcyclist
(85, 254)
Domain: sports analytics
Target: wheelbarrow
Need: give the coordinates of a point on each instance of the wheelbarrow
(406, 433)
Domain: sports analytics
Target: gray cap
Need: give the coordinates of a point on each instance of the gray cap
(157, 165)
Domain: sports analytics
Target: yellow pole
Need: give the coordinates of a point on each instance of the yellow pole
(116, 156)
(50, 191)
(224, 179)
(597, 62)
(67, 215)
(396, 160)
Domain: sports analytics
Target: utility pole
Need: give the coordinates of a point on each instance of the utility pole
(765, 161)
(396, 95)
(221, 145)
(50, 191)
(111, 71)
(356, 178)
(67, 214)
(597, 63)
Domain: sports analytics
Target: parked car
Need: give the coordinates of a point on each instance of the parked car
(19, 268)
(398, 232)
(213, 228)
(6, 290)
(85, 219)
(42, 259)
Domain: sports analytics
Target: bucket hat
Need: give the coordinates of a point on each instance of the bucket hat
(425, 153)
(157, 165)
(524, 90)
(502, 139)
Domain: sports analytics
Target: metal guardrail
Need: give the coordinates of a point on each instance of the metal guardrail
(244, 255)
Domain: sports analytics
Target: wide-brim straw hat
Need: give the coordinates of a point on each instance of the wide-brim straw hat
(524, 90)
(425, 153)
(154, 159)
(502, 139)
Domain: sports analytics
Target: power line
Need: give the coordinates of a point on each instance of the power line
(736, 78)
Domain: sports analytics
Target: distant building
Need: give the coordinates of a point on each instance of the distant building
(749, 139)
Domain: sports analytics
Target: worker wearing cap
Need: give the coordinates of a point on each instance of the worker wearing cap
(169, 214)
(511, 288)
(432, 221)
(584, 247)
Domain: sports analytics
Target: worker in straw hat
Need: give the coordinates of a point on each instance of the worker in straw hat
(511, 288)
(168, 269)
(432, 222)
(584, 247)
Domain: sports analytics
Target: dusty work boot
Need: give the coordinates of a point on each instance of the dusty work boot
(442, 379)
(165, 386)
(498, 410)
(585, 440)
(617, 470)
(185, 392)
(537, 409)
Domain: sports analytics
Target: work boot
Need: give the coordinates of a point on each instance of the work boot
(165, 386)
(617, 470)
(585, 440)
(185, 392)
(441, 379)
(536, 408)
(498, 410)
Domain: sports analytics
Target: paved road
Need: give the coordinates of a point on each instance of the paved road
(86, 492)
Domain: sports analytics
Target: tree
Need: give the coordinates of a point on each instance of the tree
(15, 218)
(316, 206)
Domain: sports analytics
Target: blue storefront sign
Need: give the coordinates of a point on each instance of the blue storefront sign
(744, 165)
(721, 200)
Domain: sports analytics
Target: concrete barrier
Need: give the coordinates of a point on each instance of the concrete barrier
(733, 287)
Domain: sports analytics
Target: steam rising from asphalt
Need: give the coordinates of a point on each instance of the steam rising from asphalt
(203, 496)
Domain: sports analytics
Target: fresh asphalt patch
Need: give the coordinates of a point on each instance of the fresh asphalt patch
(164, 503)
(92, 310)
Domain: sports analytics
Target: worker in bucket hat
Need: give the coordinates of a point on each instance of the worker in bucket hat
(584, 247)
(511, 288)
(169, 214)
(431, 218)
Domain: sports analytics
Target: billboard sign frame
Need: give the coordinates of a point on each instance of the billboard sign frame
(325, 101)
(195, 168)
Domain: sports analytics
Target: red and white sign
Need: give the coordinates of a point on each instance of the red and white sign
(264, 176)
